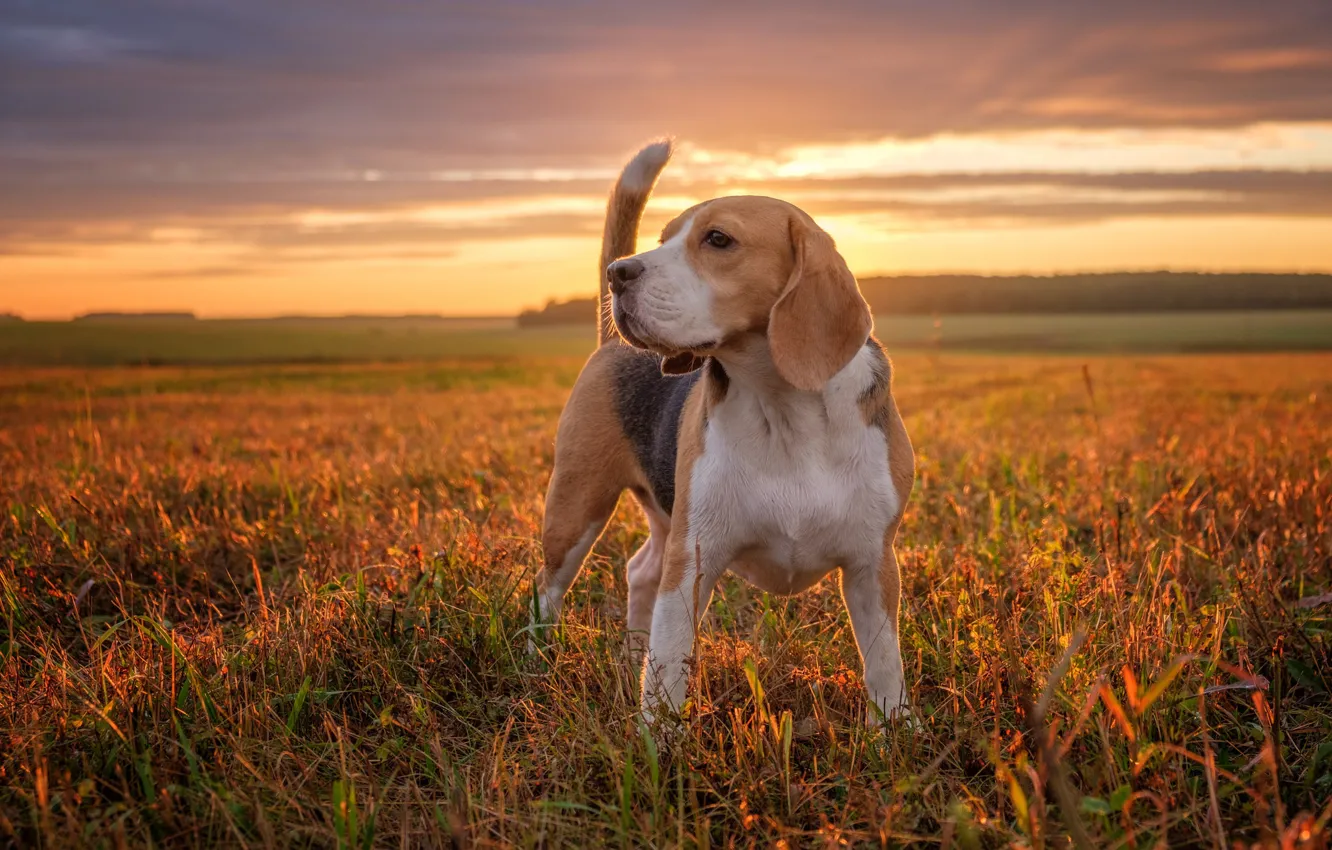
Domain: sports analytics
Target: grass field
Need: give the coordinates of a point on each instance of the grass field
(277, 605)
(126, 342)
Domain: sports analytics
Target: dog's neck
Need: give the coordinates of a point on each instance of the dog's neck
(751, 382)
(757, 407)
(747, 362)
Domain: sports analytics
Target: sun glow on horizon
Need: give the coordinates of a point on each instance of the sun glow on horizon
(497, 252)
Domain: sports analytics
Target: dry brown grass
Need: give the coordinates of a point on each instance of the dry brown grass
(285, 606)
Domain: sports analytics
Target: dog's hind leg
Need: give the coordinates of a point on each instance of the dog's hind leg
(593, 465)
(575, 517)
(644, 576)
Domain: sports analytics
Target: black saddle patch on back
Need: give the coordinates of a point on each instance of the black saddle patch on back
(649, 405)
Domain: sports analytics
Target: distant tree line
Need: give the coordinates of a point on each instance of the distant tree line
(1113, 292)
(1118, 292)
(116, 316)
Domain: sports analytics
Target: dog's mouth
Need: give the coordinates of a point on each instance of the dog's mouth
(625, 325)
(633, 333)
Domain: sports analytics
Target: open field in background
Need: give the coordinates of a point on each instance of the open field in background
(269, 605)
(112, 342)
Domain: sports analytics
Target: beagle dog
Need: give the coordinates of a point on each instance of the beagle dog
(738, 394)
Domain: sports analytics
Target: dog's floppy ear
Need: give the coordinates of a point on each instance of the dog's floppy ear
(820, 321)
(679, 364)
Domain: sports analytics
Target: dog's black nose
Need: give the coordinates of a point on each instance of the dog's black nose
(623, 272)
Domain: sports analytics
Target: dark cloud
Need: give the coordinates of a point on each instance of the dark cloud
(252, 84)
(118, 116)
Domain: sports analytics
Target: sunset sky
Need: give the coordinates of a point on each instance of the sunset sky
(252, 157)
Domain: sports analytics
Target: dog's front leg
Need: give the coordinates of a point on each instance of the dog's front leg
(686, 587)
(872, 592)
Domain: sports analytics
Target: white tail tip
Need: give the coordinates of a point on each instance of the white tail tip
(642, 170)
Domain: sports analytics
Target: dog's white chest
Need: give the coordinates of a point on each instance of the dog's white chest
(787, 494)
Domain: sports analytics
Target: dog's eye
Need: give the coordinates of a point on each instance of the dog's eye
(717, 239)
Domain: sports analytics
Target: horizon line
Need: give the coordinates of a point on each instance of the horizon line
(184, 313)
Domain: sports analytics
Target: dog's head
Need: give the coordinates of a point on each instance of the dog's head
(736, 266)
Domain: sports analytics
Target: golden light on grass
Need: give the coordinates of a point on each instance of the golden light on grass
(1174, 511)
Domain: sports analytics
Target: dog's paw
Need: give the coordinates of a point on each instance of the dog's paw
(896, 717)
(665, 728)
(540, 638)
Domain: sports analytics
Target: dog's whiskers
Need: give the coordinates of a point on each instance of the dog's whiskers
(606, 315)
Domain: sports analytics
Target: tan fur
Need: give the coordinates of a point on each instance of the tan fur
(880, 410)
(890, 582)
(689, 447)
(901, 457)
(594, 463)
(902, 466)
(820, 320)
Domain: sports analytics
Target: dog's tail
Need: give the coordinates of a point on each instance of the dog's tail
(623, 213)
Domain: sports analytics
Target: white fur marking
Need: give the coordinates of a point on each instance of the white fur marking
(795, 478)
(669, 301)
(642, 170)
(876, 638)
